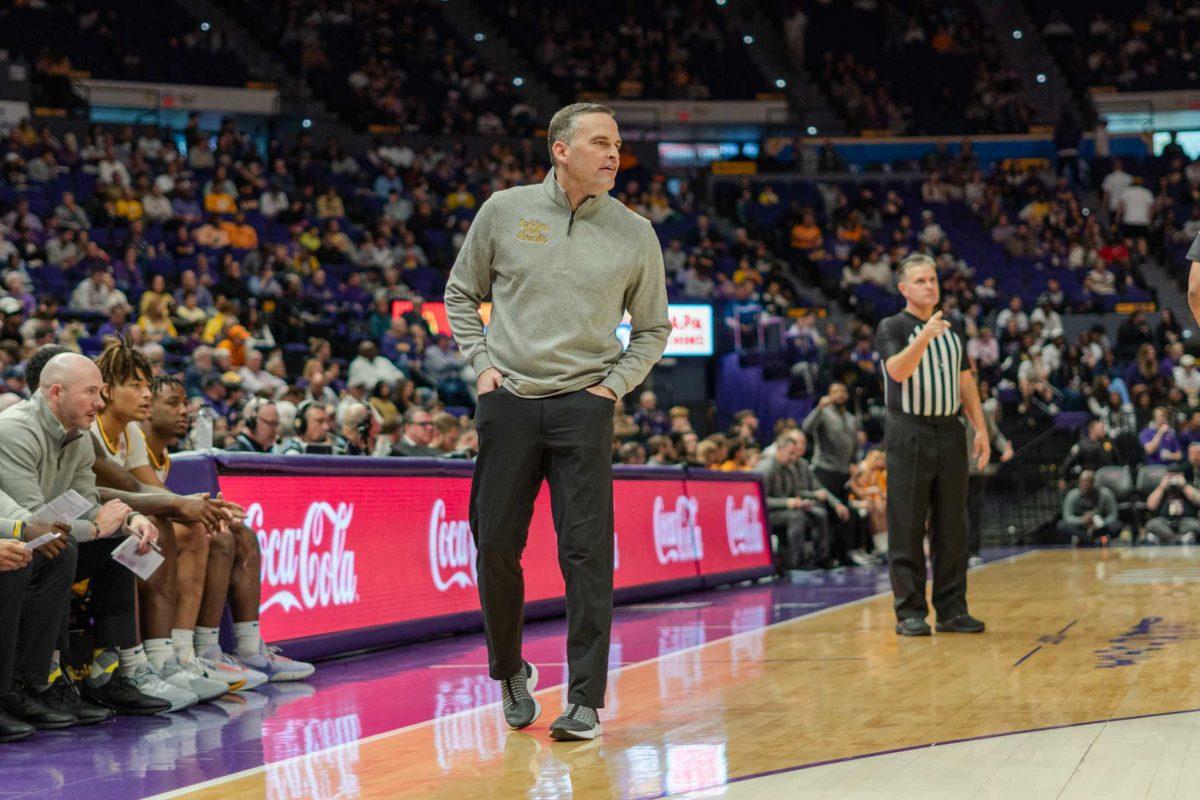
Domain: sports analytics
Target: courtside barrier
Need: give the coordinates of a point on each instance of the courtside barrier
(366, 552)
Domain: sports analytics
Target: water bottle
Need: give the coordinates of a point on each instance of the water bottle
(204, 428)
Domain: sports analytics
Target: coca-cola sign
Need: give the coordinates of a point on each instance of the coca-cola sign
(451, 550)
(743, 527)
(309, 566)
(676, 534)
(347, 552)
(731, 526)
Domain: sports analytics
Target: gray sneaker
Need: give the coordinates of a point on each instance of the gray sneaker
(147, 680)
(192, 678)
(521, 708)
(577, 723)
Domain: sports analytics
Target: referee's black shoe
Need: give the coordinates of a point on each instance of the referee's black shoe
(963, 623)
(913, 626)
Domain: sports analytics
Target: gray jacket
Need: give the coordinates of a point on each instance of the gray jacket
(792, 480)
(560, 283)
(834, 435)
(39, 461)
(1077, 507)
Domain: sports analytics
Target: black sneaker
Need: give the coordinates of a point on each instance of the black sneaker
(577, 723)
(63, 695)
(122, 697)
(13, 729)
(963, 623)
(913, 626)
(516, 693)
(27, 705)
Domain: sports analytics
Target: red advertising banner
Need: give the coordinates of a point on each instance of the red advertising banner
(730, 525)
(353, 552)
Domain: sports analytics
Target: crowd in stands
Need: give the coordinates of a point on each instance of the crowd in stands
(1126, 46)
(851, 48)
(683, 50)
(118, 39)
(301, 277)
(394, 64)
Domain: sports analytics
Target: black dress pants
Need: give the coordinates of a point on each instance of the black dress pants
(853, 533)
(113, 591)
(927, 482)
(32, 600)
(566, 440)
(804, 539)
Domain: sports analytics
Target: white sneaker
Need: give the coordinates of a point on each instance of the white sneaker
(221, 666)
(974, 561)
(860, 558)
(275, 665)
(191, 677)
(1188, 538)
(147, 680)
(1152, 538)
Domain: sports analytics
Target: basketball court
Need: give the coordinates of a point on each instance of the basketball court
(1083, 686)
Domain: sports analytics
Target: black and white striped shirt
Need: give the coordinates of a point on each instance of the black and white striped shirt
(933, 388)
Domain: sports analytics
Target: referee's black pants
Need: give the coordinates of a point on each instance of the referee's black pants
(927, 480)
(567, 440)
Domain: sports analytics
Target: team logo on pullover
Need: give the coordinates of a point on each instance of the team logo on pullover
(532, 230)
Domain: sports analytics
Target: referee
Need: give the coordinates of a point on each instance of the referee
(561, 261)
(928, 380)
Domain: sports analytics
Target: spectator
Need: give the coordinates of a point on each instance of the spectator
(1187, 379)
(661, 451)
(1175, 504)
(360, 429)
(418, 436)
(255, 379)
(1136, 209)
(95, 292)
(1093, 451)
(650, 419)
(1014, 311)
(1089, 513)
(370, 368)
(631, 453)
(1159, 442)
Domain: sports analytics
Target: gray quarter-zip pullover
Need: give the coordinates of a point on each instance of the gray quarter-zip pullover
(559, 283)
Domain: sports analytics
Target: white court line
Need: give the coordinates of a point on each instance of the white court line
(185, 790)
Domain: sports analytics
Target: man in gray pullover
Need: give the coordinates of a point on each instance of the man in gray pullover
(833, 429)
(562, 262)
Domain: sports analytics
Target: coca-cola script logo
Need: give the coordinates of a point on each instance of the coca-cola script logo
(676, 533)
(294, 563)
(451, 550)
(743, 526)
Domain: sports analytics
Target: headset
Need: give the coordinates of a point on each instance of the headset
(364, 427)
(251, 411)
(300, 423)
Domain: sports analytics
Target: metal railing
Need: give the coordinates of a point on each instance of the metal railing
(1022, 497)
